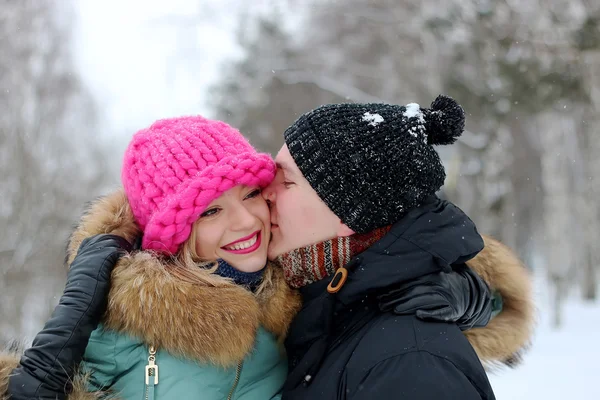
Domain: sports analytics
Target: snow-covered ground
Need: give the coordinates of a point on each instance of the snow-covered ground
(562, 363)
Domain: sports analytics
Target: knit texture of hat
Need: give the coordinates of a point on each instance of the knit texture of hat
(371, 163)
(176, 167)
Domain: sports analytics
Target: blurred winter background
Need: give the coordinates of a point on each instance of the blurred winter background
(77, 78)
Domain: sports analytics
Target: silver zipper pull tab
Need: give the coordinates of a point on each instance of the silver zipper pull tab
(152, 368)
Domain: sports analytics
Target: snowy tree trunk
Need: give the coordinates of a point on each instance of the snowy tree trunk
(556, 133)
(484, 188)
(590, 203)
(49, 164)
(526, 187)
(587, 206)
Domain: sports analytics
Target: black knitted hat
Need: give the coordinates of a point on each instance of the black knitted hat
(371, 163)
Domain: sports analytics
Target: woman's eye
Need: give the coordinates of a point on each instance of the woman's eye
(288, 183)
(253, 194)
(208, 213)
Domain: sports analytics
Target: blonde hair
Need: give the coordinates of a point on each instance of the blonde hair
(188, 255)
(189, 267)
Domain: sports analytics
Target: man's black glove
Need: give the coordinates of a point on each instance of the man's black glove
(46, 369)
(460, 296)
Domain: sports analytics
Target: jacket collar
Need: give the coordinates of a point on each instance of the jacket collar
(428, 239)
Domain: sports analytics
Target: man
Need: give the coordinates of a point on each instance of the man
(355, 225)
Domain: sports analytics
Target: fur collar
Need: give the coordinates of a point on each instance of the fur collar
(214, 321)
(508, 335)
(9, 360)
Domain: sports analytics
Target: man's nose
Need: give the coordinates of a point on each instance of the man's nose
(269, 194)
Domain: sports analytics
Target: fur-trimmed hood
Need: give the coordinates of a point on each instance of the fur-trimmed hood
(211, 321)
(509, 334)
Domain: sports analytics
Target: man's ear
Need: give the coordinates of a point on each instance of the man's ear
(344, 230)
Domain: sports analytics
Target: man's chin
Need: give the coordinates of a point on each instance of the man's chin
(273, 251)
(272, 256)
(278, 248)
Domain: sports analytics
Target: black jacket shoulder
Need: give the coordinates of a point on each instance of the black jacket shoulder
(404, 357)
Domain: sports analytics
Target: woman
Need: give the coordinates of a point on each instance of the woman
(193, 187)
(198, 310)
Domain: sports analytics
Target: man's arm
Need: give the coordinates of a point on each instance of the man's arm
(417, 375)
(47, 368)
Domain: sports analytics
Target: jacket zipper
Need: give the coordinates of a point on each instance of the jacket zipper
(151, 371)
(238, 372)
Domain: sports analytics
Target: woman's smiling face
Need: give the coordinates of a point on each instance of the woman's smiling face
(235, 227)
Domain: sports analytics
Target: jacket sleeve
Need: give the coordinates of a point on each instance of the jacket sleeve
(47, 368)
(414, 376)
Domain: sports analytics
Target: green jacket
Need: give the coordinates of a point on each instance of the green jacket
(118, 361)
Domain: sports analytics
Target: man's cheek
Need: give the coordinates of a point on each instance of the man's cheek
(307, 217)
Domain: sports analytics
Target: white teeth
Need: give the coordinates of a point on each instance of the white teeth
(243, 245)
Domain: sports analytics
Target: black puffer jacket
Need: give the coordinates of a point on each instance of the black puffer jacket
(342, 346)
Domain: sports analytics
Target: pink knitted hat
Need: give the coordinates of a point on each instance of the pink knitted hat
(175, 168)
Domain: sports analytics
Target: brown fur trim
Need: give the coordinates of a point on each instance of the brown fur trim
(80, 390)
(109, 214)
(509, 333)
(211, 321)
(279, 303)
(8, 362)
(214, 324)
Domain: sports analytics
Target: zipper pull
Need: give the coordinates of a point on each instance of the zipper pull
(152, 368)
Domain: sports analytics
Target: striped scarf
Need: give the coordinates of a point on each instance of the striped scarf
(312, 263)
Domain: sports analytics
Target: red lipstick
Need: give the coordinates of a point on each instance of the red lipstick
(248, 250)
